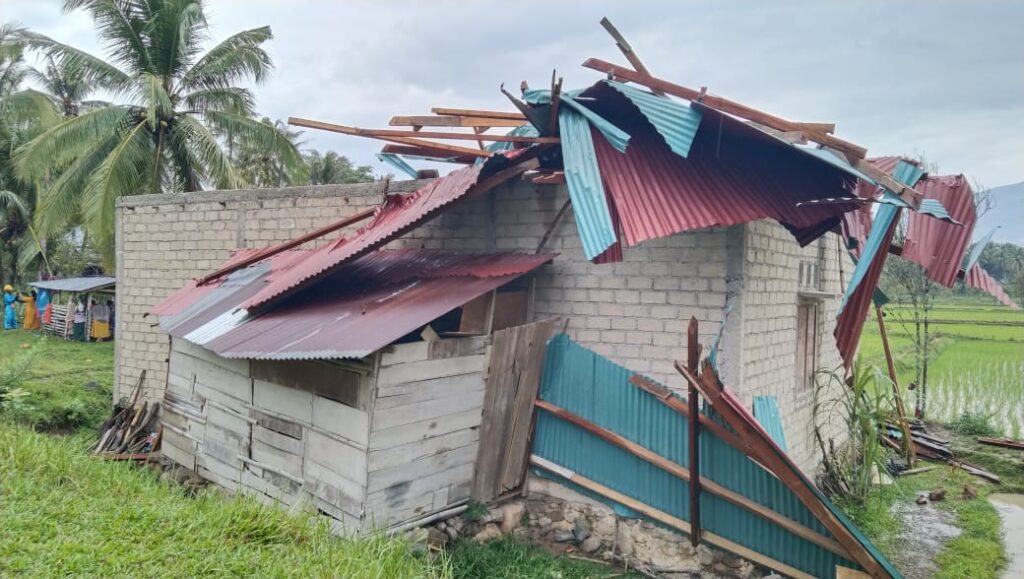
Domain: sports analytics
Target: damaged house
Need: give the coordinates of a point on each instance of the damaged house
(385, 368)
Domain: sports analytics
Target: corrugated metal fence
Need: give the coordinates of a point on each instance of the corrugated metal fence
(765, 517)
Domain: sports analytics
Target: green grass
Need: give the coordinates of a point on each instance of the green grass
(974, 368)
(66, 513)
(510, 558)
(56, 397)
(977, 552)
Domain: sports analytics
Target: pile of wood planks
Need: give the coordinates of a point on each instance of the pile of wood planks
(1003, 442)
(129, 433)
(931, 447)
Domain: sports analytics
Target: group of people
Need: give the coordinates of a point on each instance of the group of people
(37, 309)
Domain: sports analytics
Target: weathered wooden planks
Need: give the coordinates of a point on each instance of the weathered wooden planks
(513, 378)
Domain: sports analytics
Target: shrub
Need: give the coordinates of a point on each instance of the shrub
(974, 424)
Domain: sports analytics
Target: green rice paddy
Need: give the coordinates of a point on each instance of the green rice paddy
(977, 363)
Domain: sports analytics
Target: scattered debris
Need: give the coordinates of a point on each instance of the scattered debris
(931, 447)
(918, 470)
(922, 499)
(937, 495)
(131, 432)
(970, 492)
(1003, 442)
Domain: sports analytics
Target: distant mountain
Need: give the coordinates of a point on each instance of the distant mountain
(1007, 212)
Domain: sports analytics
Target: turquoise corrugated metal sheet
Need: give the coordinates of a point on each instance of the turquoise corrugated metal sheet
(907, 174)
(616, 136)
(676, 122)
(582, 175)
(526, 130)
(979, 247)
(597, 389)
(398, 163)
(766, 411)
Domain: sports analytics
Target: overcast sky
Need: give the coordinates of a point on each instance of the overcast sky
(934, 78)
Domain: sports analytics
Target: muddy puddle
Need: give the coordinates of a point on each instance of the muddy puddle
(1011, 511)
(926, 531)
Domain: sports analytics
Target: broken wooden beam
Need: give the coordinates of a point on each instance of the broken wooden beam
(428, 153)
(452, 121)
(627, 50)
(479, 113)
(692, 360)
(414, 141)
(1003, 442)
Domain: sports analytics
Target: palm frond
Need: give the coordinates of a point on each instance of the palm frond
(262, 136)
(63, 143)
(28, 108)
(177, 29)
(228, 99)
(60, 203)
(94, 71)
(9, 200)
(238, 58)
(118, 175)
(158, 102)
(121, 25)
(203, 146)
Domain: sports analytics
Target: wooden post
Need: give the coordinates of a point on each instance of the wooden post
(692, 359)
(901, 411)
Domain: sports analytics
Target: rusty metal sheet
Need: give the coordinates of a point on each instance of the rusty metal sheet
(367, 304)
(396, 216)
(727, 178)
(980, 279)
(936, 245)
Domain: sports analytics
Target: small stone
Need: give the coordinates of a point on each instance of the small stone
(562, 526)
(564, 536)
(731, 561)
(605, 526)
(970, 492)
(581, 530)
(452, 533)
(937, 495)
(686, 549)
(922, 500)
(490, 531)
(456, 523)
(624, 540)
(436, 538)
(512, 516)
(544, 522)
(556, 516)
(590, 544)
(441, 526)
(705, 556)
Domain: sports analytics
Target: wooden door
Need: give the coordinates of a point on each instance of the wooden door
(514, 372)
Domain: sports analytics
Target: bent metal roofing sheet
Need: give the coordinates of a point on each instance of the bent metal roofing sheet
(367, 304)
(397, 215)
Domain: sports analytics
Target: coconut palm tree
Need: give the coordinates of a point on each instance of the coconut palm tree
(172, 101)
(66, 85)
(330, 168)
(24, 113)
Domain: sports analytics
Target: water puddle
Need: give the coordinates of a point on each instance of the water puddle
(926, 531)
(1011, 510)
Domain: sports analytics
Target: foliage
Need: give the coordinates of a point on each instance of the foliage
(66, 513)
(849, 467)
(1005, 261)
(977, 552)
(331, 168)
(173, 102)
(13, 371)
(64, 385)
(262, 167)
(73, 255)
(974, 424)
(475, 510)
(977, 361)
(910, 286)
(510, 558)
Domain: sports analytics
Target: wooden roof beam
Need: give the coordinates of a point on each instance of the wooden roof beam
(384, 133)
(725, 105)
(452, 150)
(478, 113)
(452, 121)
(433, 154)
(627, 51)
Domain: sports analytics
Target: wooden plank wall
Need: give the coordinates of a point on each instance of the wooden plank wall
(513, 379)
(424, 432)
(279, 444)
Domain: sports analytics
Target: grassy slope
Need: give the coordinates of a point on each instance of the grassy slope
(64, 512)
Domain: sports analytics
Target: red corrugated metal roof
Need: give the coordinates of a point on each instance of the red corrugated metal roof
(397, 215)
(936, 245)
(978, 278)
(851, 320)
(733, 174)
(365, 305)
(856, 225)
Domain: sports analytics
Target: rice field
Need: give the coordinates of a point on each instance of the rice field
(977, 363)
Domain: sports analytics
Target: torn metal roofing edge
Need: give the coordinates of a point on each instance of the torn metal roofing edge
(675, 121)
(586, 189)
(368, 304)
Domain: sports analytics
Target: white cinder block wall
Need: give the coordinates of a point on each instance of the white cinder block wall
(634, 312)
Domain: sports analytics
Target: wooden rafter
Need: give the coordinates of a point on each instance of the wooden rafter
(416, 142)
(391, 133)
(627, 51)
(509, 115)
(435, 154)
(452, 121)
(854, 152)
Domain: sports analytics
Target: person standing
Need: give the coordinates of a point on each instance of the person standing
(100, 322)
(10, 316)
(78, 329)
(31, 322)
